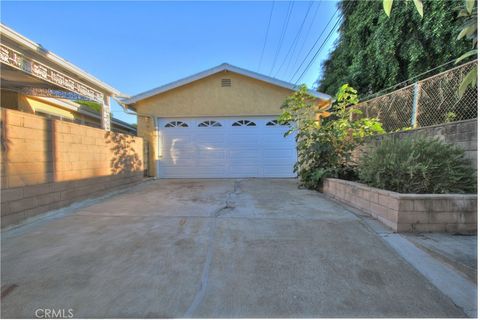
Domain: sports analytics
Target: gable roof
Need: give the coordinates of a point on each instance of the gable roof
(209, 72)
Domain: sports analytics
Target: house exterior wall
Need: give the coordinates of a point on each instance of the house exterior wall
(31, 104)
(147, 131)
(206, 97)
(48, 164)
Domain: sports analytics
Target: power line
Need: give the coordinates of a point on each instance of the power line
(304, 40)
(319, 49)
(313, 47)
(266, 35)
(295, 41)
(410, 79)
(284, 30)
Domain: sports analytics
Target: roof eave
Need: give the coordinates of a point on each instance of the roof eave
(24, 41)
(208, 72)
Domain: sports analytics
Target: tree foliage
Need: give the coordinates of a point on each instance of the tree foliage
(374, 51)
(468, 32)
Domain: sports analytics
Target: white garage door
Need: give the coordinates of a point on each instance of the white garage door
(224, 148)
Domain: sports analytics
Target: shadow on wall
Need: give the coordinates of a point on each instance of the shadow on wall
(125, 159)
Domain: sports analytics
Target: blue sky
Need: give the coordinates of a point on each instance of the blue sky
(136, 46)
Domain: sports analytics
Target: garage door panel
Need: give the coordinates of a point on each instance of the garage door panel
(278, 171)
(273, 154)
(243, 171)
(219, 154)
(278, 161)
(243, 162)
(178, 144)
(270, 138)
(218, 139)
(200, 172)
(182, 162)
(226, 151)
(243, 141)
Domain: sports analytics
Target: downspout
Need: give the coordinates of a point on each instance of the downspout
(154, 139)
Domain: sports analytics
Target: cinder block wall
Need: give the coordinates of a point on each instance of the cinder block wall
(48, 164)
(461, 133)
(405, 212)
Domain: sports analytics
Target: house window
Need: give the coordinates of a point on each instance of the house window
(243, 123)
(176, 124)
(276, 123)
(210, 123)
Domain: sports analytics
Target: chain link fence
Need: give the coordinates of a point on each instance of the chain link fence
(431, 101)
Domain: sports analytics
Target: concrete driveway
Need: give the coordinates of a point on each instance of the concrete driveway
(211, 248)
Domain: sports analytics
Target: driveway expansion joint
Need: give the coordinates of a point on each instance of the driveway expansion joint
(200, 294)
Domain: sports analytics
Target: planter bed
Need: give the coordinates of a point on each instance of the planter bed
(455, 213)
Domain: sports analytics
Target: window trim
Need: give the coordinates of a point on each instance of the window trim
(176, 124)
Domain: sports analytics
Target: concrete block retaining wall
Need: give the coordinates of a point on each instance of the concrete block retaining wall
(48, 164)
(408, 212)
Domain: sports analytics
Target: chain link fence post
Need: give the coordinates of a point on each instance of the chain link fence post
(416, 98)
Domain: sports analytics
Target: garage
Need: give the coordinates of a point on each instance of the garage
(218, 123)
(225, 147)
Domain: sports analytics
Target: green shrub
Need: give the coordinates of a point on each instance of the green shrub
(326, 136)
(422, 165)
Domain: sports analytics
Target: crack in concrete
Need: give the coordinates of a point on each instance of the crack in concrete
(200, 294)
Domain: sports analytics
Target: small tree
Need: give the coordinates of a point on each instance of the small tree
(325, 138)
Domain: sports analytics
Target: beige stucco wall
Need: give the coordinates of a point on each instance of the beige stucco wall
(206, 97)
(146, 130)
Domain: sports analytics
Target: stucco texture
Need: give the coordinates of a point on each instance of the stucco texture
(206, 97)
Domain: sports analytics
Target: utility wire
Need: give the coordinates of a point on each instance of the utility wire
(314, 45)
(295, 41)
(304, 40)
(408, 80)
(266, 35)
(319, 49)
(284, 30)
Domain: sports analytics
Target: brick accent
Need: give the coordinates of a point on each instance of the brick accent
(48, 164)
(408, 212)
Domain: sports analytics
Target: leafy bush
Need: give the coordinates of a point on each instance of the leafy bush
(325, 138)
(421, 165)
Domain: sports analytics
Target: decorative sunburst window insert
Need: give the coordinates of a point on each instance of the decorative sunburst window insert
(210, 123)
(243, 123)
(176, 124)
(273, 123)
